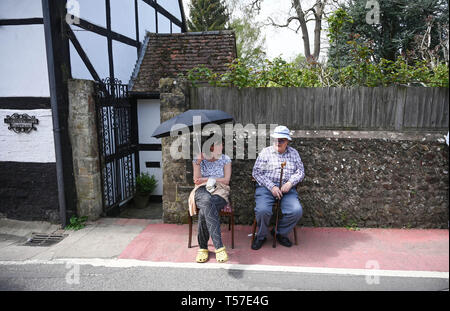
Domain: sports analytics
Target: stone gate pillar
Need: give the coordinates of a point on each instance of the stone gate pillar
(174, 99)
(83, 136)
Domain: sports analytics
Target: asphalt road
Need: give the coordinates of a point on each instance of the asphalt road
(77, 277)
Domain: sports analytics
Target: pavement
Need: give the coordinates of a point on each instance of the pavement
(407, 252)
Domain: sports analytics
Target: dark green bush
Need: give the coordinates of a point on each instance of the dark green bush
(145, 183)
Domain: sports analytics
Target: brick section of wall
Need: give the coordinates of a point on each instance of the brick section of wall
(168, 55)
(29, 191)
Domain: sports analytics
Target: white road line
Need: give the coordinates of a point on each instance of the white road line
(128, 263)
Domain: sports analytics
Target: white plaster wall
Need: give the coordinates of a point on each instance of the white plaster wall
(123, 22)
(148, 120)
(96, 49)
(37, 146)
(146, 19)
(93, 11)
(23, 61)
(20, 9)
(153, 156)
(172, 7)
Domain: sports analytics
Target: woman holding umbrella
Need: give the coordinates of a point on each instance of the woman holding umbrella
(212, 173)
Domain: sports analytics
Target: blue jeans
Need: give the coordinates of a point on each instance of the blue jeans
(291, 210)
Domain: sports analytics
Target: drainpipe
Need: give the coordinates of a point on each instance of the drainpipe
(59, 165)
(52, 21)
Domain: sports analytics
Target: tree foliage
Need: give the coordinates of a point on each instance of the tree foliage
(360, 54)
(250, 42)
(362, 72)
(206, 15)
(398, 32)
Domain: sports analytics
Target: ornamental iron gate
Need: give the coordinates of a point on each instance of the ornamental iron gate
(117, 148)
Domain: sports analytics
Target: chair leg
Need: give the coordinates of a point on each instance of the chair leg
(232, 230)
(253, 232)
(295, 236)
(190, 230)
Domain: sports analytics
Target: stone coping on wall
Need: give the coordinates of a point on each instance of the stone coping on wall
(384, 135)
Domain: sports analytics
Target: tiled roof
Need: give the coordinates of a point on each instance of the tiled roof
(167, 55)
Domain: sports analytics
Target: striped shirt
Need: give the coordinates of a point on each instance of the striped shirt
(267, 168)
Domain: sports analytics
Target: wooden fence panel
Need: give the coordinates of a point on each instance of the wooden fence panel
(364, 108)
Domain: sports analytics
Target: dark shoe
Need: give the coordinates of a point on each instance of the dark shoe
(258, 243)
(282, 239)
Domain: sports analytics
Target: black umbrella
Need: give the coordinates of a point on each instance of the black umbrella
(187, 119)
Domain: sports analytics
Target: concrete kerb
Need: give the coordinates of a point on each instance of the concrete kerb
(21, 228)
(105, 238)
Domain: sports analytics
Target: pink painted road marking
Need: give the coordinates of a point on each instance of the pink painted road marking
(392, 249)
(131, 222)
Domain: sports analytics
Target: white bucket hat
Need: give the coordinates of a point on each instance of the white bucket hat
(281, 131)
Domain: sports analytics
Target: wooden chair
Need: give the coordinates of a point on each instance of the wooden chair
(227, 211)
(275, 212)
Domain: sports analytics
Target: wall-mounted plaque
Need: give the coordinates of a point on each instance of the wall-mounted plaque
(21, 123)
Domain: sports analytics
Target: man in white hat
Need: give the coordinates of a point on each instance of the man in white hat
(266, 172)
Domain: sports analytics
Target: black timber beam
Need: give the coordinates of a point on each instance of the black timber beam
(25, 103)
(21, 21)
(82, 55)
(156, 18)
(150, 147)
(183, 16)
(144, 95)
(164, 12)
(135, 134)
(104, 32)
(136, 21)
(109, 40)
(58, 65)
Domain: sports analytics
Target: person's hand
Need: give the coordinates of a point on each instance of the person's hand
(276, 192)
(200, 180)
(286, 187)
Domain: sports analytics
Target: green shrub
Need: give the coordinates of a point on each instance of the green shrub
(363, 72)
(145, 183)
(76, 223)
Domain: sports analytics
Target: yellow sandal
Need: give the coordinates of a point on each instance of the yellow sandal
(221, 255)
(202, 255)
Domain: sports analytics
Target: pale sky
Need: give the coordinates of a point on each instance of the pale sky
(281, 41)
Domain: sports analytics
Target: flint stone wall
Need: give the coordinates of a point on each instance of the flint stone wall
(373, 181)
(353, 178)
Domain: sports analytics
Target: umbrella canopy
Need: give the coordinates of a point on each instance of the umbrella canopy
(187, 118)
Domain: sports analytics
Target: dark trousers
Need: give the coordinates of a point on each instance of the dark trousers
(208, 217)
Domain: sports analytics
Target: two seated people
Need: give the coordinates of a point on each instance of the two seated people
(209, 199)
